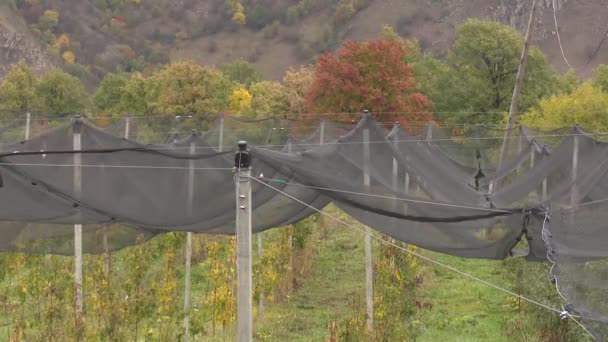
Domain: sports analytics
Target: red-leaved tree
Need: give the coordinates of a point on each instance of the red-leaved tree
(370, 75)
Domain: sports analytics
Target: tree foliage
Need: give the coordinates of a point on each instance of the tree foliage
(240, 100)
(108, 98)
(296, 83)
(60, 93)
(242, 72)
(17, 91)
(187, 88)
(600, 78)
(478, 77)
(48, 20)
(370, 75)
(568, 82)
(587, 106)
(138, 96)
(267, 98)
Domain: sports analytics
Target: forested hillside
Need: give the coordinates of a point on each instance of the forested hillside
(92, 37)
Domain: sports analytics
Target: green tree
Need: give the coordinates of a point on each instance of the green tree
(242, 72)
(139, 96)
(108, 96)
(48, 20)
(17, 91)
(587, 106)
(267, 98)
(187, 88)
(600, 78)
(568, 82)
(60, 93)
(485, 59)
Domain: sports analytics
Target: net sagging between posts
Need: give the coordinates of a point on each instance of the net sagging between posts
(439, 198)
(471, 232)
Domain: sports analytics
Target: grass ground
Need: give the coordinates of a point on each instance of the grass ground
(463, 310)
(336, 282)
(455, 308)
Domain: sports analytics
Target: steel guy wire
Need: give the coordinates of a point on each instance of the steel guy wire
(118, 166)
(384, 141)
(389, 197)
(433, 261)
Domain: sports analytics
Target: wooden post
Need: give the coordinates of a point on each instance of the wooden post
(77, 146)
(322, 133)
(290, 236)
(521, 74)
(220, 147)
(369, 276)
(28, 119)
(188, 269)
(127, 126)
(574, 191)
(532, 156)
(520, 146)
(260, 255)
(244, 321)
(395, 164)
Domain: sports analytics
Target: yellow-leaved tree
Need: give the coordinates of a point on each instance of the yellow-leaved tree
(240, 101)
(63, 41)
(587, 106)
(238, 11)
(69, 57)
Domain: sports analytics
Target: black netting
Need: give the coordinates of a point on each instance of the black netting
(460, 191)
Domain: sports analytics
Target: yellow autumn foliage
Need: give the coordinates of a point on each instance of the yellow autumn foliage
(240, 100)
(63, 41)
(587, 106)
(69, 57)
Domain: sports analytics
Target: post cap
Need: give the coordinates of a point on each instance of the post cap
(365, 112)
(242, 159)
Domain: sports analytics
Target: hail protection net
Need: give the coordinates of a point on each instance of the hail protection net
(466, 191)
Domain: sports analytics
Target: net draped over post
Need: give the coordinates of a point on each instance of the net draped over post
(450, 193)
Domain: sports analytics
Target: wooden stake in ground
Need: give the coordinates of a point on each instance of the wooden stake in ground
(188, 268)
(369, 275)
(76, 126)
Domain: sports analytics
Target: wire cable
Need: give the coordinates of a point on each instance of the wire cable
(438, 263)
(411, 200)
(559, 40)
(119, 166)
(545, 234)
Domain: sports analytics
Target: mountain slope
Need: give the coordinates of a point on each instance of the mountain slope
(133, 34)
